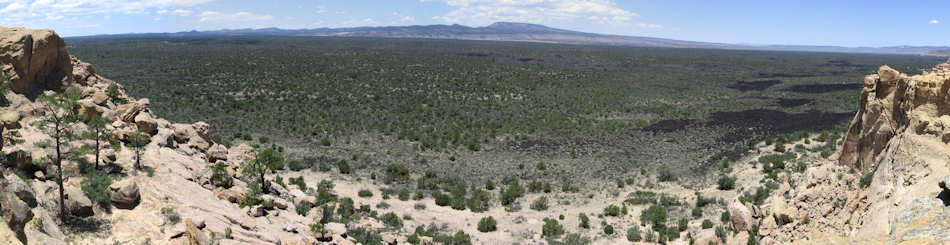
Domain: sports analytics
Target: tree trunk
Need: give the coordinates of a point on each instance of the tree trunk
(59, 179)
(97, 148)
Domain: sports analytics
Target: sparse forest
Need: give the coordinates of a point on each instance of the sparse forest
(458, 104)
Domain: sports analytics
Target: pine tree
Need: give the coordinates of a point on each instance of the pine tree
(97, 132)
(57, 122)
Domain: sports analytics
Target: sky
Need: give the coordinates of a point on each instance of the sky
(804, 22)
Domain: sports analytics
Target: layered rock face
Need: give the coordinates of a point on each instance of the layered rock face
(36, 59)
(893, 103)
(884, 185)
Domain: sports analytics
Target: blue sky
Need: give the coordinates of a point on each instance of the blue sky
(805, 22)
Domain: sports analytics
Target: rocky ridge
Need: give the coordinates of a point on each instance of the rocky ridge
(173, 203)
(887, 183)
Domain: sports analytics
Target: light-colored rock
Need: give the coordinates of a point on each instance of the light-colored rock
(335, 228)
(125, 193)
(8, 236)
(203, 130)
(127, 112)
(146, 123)
(707, 237)
(217, 152)
(10, 119)
(15, 212)
(77, 203)
(195, 236)
(740, 217)
(36, 59)
(100, 98)
(13, 184)
(234, 195)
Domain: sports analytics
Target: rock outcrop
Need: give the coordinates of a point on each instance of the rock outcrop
(177, 158)
(36, 59)
(885, 186)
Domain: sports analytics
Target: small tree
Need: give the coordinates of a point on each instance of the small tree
(97, 132)
(138, 141)
(267, 160)
(57, 122)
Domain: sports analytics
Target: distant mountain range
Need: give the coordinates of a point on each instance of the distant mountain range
(524, 32)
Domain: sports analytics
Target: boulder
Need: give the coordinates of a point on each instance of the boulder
(740, 217)
(125, 193)
(127, 112)
(10, 119)
(217, 152)
(783, 212)
(203, 130)
(146, 123)
(15, 212)
(234, 195)
(182, 133)
(13, 184)
(195, 236)
(77, 203)
(100, 98)
(36, 59)
(8, 236)
(335, 228)
(707, 237)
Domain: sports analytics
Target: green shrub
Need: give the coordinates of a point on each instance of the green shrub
(724, 217)
(220, 176)
(683, 223)
(480, 201)
(609, 230)
(551, 229)
(726, 183)
(584, 221)
(303, 208)
(574, 239)
(707, 224)
(404, 194)
(540, 204)
(299, 182)
(344, 167)
(392, 220)
(441, 199)
(487, 224)
(365, 193)
(633, 234)
(113, 92)
(365, 236)
(296, 165)
(697, 212)
(96, 187)
(253, 196)
(511, 193)
(396, 173)
(172, 216)
(666, 175)
(866, 179)
(612, 210)
(489, 185)
(654, 215)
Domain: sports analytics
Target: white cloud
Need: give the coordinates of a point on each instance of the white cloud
(213, 16)
(931, 21)
(181, 12)
(362, 22)
(407, 19)
(27, 11)
(647, 25)
(481, 12)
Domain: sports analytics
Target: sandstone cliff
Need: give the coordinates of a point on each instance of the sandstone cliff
(885, 185)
